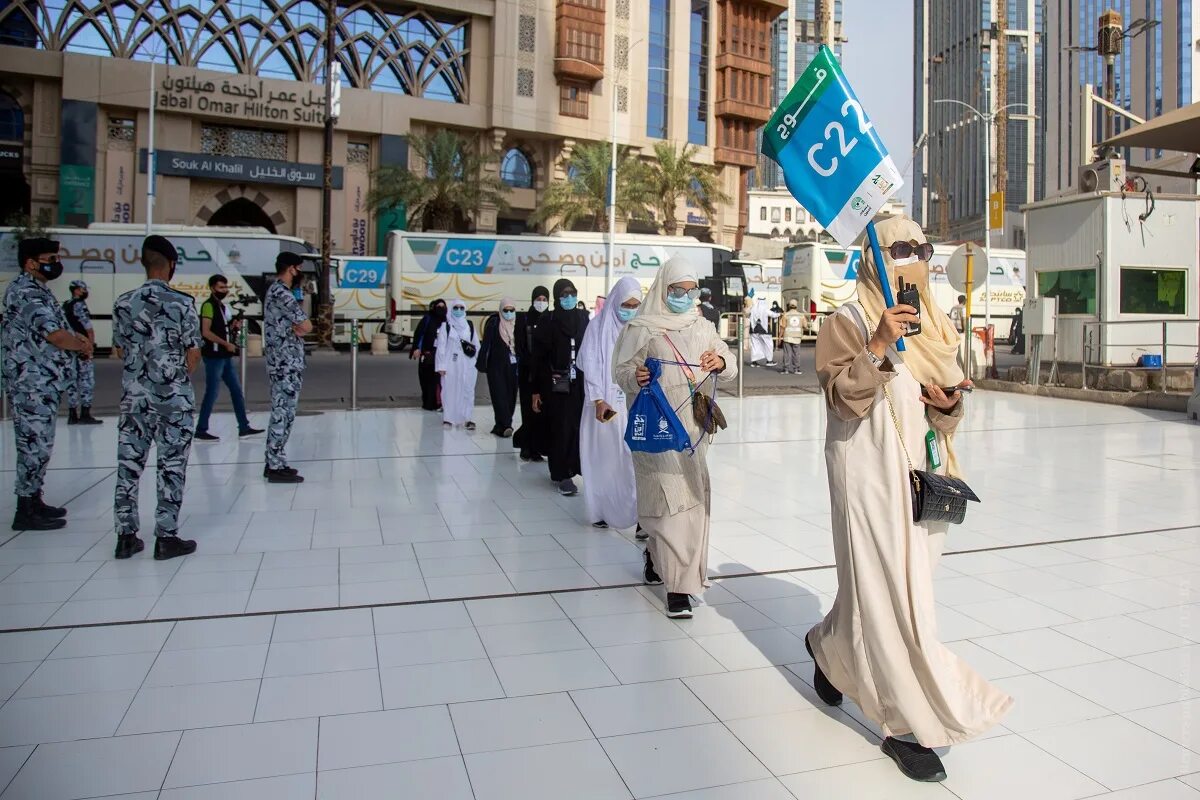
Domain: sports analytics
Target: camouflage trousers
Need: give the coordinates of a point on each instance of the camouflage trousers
(34, 417)
(83, 383)
(285, 396)
(171, 432)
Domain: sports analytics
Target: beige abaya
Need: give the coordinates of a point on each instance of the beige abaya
(879, 644)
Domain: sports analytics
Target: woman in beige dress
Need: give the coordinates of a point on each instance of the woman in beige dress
(673, 494)
(879, 644)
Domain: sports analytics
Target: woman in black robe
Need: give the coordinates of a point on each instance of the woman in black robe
(559, 382)
(498, 360)
(533, 438)
(424, 347)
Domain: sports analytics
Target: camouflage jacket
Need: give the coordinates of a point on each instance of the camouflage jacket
(31, 363)
(155, 326)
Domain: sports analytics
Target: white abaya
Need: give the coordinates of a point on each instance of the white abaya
(458, 380)
(879, 643)
(761, 347)
(609, 486)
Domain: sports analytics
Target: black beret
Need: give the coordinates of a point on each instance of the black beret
(35, 247)
(161, 245)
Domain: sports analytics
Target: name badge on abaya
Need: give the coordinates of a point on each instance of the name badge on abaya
(512, 358)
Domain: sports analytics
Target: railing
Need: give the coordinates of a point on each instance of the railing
(1093, 349)
(738, 321)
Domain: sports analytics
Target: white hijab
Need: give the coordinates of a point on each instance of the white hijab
(459, 327)
(654, 318)
(600, 339)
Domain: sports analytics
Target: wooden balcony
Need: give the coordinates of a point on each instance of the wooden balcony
(740, 158)
(757, 114)
(579, 41)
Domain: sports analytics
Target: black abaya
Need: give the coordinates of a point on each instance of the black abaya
(533, 438)
(424, 339)
(495, 359)
(556, 348)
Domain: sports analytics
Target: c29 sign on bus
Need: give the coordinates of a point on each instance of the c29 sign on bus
(833, 161)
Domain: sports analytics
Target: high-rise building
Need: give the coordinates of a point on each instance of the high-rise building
(238, 127)
(988, 54)
(796, 36)
(1153, 74)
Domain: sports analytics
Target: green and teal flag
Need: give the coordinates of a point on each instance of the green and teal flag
(833, 161)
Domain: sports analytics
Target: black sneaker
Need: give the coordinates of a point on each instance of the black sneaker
(283, 476)
(250, 432)
(568, 488)
(205, 436)
(53, 512)
(679, 606)
(172, 546)
(916, 762)
(649, 575)
(129, 545)
(825, 690)
(600, 524)
(640, 534)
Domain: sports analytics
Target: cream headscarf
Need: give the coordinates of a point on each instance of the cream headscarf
(654, 318)
(507, 326)
(931, 356)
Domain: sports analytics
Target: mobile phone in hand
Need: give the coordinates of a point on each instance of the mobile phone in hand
(910, 296)
(608, 415)
(949, 390)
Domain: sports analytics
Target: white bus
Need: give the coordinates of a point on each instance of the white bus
(823, 278)
(483, 268)
(359, 285)
(765, 279)
(108, 257)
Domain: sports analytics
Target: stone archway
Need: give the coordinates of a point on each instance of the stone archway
(224, 201)
(241, 212)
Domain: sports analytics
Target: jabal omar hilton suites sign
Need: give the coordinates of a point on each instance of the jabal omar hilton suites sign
(243, 98)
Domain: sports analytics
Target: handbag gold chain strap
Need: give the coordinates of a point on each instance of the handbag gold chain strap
(891, 407)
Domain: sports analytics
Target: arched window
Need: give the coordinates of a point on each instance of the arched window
(12, 119)
(516, 170)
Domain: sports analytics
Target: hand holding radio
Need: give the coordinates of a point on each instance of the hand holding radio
(892, 325)
(909, 295)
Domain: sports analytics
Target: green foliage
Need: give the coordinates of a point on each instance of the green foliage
(673, 176)
(584, 194)
(453, 187)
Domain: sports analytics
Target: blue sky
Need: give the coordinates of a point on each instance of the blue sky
(878, 62)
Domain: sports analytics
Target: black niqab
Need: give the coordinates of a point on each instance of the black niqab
(571, 324)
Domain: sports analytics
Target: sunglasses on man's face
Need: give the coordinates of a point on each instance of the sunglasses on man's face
(902, 250)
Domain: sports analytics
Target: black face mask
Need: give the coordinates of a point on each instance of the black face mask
(171, 274)
(51, 271)
(83, 296)
(220, 295)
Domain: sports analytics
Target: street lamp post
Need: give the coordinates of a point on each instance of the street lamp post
(612, 169)
(987, 119)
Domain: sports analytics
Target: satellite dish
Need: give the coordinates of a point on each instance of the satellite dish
(956, 267)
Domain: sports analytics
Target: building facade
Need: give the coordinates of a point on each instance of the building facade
(239, 102)
(988, 54)
(1155, 73)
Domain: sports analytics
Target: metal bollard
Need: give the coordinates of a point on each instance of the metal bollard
(242, 354)
(354, 365)
(741, 357)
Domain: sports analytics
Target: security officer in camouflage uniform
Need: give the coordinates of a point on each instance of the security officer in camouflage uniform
(83, 385)
(37, 346)
(158, 331)
(284, 326)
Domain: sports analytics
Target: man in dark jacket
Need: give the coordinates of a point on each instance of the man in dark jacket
(83, 385)
(708, 310)
(218, 330)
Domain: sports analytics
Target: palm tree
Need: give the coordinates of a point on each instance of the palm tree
(675, 175)
(453, 187)
(584, 194)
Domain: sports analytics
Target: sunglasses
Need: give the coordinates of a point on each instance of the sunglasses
(679, 292)
(48, 260)
(901, 250)
(508, 309)
(569, 294)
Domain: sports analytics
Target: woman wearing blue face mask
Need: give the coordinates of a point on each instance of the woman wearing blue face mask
(673, 491)
(608, 484)
(559, 383)
(498, 360)
(457, 349)
(532, 438)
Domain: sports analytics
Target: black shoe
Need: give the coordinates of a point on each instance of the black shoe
(285, 475)
(640, 534)
(679, 606)
(172, 546)
(525, 456)
(28, 518)
(600, 524)
(86, 418)
(470, 426)
(649, 576)
(249, 431)
(828, 693)
(129, 545)
(288, 470)
(53, 512)
(537, 459)
(567, 488)
(506, 433)
(72, 417)
(916, 762)
(205, 436)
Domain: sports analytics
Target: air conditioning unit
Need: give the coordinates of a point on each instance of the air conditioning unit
(1102, 176)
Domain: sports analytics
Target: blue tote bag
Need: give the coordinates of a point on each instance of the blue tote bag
(653, 426)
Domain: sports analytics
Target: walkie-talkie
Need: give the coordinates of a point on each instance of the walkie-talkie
(910, 296)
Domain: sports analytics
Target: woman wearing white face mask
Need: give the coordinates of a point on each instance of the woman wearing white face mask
(673, 492)
(608, 483)
(457, 349)
(498, 360)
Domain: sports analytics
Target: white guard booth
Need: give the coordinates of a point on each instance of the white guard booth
(1122, 279)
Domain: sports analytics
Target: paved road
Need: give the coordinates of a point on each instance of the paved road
(391, 381)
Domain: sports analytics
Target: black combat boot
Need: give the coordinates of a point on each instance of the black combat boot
(129, 545)
(53, 512)
(171, 546)
(28, 518)
(72, 416)
(86, 418)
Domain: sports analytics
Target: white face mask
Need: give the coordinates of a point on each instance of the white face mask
(540, 305)
(904, 262)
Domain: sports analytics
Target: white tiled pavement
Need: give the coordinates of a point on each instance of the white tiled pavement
(560, 687)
